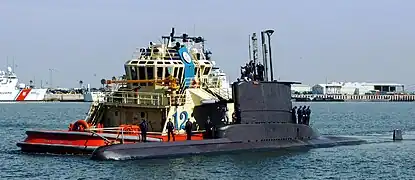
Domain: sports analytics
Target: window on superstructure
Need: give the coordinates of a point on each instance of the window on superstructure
(150, 74)
(198, 56)
(196, 69)
(167, 72)
(133, 73)
(207, 70)
(175, 71)
(159, 72)
(127, 71)
(180, 74)
(142, 75)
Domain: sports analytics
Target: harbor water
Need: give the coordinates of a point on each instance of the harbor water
(380, 159)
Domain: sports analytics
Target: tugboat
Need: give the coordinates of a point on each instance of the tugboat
(174, 80)
(261, 120)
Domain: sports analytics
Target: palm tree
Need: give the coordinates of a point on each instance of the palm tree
(103, 82)
(81, 83)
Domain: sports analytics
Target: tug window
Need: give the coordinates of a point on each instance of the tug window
(206, 72)
(175, 72)
(142, 75)
(159, 72)
(150, 74)
(180, 74)
(167, 72)
(133, 73)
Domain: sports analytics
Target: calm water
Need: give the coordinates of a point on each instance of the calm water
(372, 121)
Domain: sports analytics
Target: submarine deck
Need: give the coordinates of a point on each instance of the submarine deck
(169, 149)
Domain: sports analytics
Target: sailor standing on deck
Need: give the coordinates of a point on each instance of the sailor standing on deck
(188, 127)
(304, 117)
(170, 128)
(299, 115)
(209, 128)
(293, 115)
(308, 113)
(144, 129)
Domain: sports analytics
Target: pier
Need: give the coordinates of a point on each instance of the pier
(64, 97)
(358, 98)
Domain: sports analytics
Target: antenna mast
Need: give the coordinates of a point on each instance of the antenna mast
(255, 52)
(255, 48)
(249, 47)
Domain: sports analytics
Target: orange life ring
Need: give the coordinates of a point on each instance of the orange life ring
(80, 125)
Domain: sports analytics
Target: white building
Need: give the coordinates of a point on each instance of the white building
(300, 88)
(356, 88)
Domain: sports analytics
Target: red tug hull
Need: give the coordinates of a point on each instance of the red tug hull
(75, 142)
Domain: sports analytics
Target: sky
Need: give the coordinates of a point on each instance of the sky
(314, 41)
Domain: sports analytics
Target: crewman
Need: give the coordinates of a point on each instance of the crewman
(188, 127)
(170, 129)
(224, 112)
(299, 115)
(303, 118)
(144, 129)
(209, 128)
(293, 115)
(308, 113)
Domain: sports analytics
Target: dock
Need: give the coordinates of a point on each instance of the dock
(355, 98)
(64, 97)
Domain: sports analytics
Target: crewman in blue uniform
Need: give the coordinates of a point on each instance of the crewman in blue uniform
(300, 115)
(170, 128)
(188, 127)
(307, 115)
(144, 129)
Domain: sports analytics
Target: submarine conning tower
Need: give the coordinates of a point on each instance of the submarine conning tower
(263, 105)
(263, 114)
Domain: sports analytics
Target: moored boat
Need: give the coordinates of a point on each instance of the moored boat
(171, 80)
(11, 90)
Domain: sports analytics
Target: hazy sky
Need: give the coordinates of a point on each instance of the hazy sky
(349, 40)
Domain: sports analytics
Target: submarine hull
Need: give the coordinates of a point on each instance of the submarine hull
(213, 146)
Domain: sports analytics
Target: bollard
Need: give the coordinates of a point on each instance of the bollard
(397, 134)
